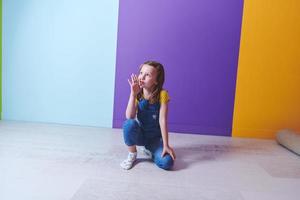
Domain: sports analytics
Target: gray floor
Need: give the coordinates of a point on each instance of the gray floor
(58, 162)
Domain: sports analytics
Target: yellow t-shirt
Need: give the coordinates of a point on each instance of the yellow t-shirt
(163, 97)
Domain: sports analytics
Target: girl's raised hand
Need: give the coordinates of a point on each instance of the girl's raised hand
(134, 84)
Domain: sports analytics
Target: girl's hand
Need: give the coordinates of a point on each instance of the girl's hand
(170, 151)
(134, 84)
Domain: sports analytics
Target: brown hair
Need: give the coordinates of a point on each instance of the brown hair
(160, 79)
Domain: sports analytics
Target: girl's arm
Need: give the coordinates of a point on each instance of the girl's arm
(163, 119)
(135, 88)
(131, 107)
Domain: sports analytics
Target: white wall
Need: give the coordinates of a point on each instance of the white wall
(59, 61)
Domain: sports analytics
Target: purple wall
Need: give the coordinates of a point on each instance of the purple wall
(198, 43)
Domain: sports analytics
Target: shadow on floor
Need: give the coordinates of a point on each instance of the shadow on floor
(187, 156)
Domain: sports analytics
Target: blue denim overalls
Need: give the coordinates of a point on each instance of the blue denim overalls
(145, 131)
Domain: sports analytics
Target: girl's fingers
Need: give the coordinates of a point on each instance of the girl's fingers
(135, 79)
(173, 155)
(163, 153)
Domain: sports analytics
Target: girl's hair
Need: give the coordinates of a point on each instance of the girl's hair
(160, 78)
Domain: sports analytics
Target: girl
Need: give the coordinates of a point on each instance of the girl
(146, 115)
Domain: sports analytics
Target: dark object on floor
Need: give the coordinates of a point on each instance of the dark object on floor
(289, 139)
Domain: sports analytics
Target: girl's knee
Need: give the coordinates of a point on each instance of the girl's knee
(165, 162)
(129, 131)
(129, 126)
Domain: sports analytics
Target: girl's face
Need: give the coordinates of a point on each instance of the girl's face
(147, 77)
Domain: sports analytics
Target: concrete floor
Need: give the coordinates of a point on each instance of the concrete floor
(59, 162)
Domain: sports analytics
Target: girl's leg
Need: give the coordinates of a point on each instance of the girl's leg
(156, 148)
(132, 136)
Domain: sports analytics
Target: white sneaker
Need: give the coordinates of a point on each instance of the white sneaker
(146, 152)
(128, 163)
